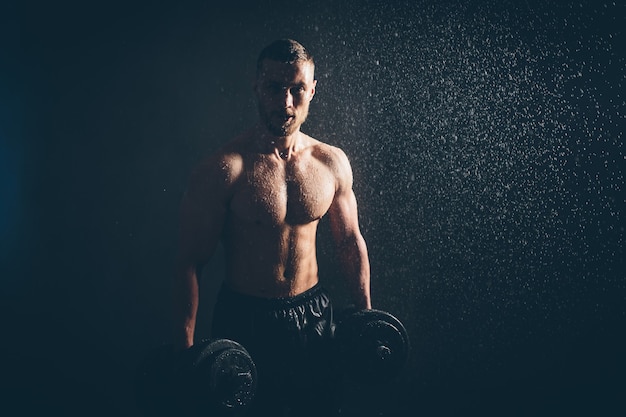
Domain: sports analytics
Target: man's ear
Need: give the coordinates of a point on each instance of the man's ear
(313, 90)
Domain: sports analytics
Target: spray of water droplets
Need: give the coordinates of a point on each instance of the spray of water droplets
(486, 140)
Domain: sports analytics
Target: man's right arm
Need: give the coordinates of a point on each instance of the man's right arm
(202, 214)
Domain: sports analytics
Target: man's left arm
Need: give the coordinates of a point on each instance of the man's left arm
(350, 244)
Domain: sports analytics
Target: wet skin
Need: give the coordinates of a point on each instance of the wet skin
(263, 194)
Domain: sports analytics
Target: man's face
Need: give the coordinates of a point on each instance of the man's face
(283, 93)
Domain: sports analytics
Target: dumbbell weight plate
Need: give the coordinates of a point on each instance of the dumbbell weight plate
(224, 375)
(372, 344)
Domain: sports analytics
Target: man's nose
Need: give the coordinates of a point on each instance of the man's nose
(287, 98)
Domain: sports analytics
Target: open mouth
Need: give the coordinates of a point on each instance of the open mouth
(282, 123)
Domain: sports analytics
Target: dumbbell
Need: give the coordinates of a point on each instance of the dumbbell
(371, 345)
(213, 377)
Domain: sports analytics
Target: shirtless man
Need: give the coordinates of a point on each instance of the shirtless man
(262, 196)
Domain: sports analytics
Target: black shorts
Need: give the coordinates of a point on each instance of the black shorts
(289, 340)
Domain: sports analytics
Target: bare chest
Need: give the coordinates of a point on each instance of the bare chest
(275, 192)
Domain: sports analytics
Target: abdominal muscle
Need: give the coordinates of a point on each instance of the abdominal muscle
(270, 261)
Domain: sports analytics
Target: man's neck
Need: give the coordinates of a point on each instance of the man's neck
(281, 146)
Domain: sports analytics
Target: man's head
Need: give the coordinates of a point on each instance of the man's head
(285, 85)
(286, 51)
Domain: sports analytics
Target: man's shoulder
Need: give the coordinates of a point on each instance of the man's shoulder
(223, 165)
(329, 153)
(332, 156)
(233, 148)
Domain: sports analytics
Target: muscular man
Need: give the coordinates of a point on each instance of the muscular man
(262, 196)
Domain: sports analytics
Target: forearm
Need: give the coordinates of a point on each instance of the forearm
(356, 268)
(185, 305)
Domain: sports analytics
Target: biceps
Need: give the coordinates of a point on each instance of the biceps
(344, 217)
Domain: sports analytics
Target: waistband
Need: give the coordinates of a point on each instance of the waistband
(229, 295)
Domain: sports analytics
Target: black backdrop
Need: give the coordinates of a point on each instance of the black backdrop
(486, 141)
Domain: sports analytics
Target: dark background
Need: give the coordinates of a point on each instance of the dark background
(486, 139)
